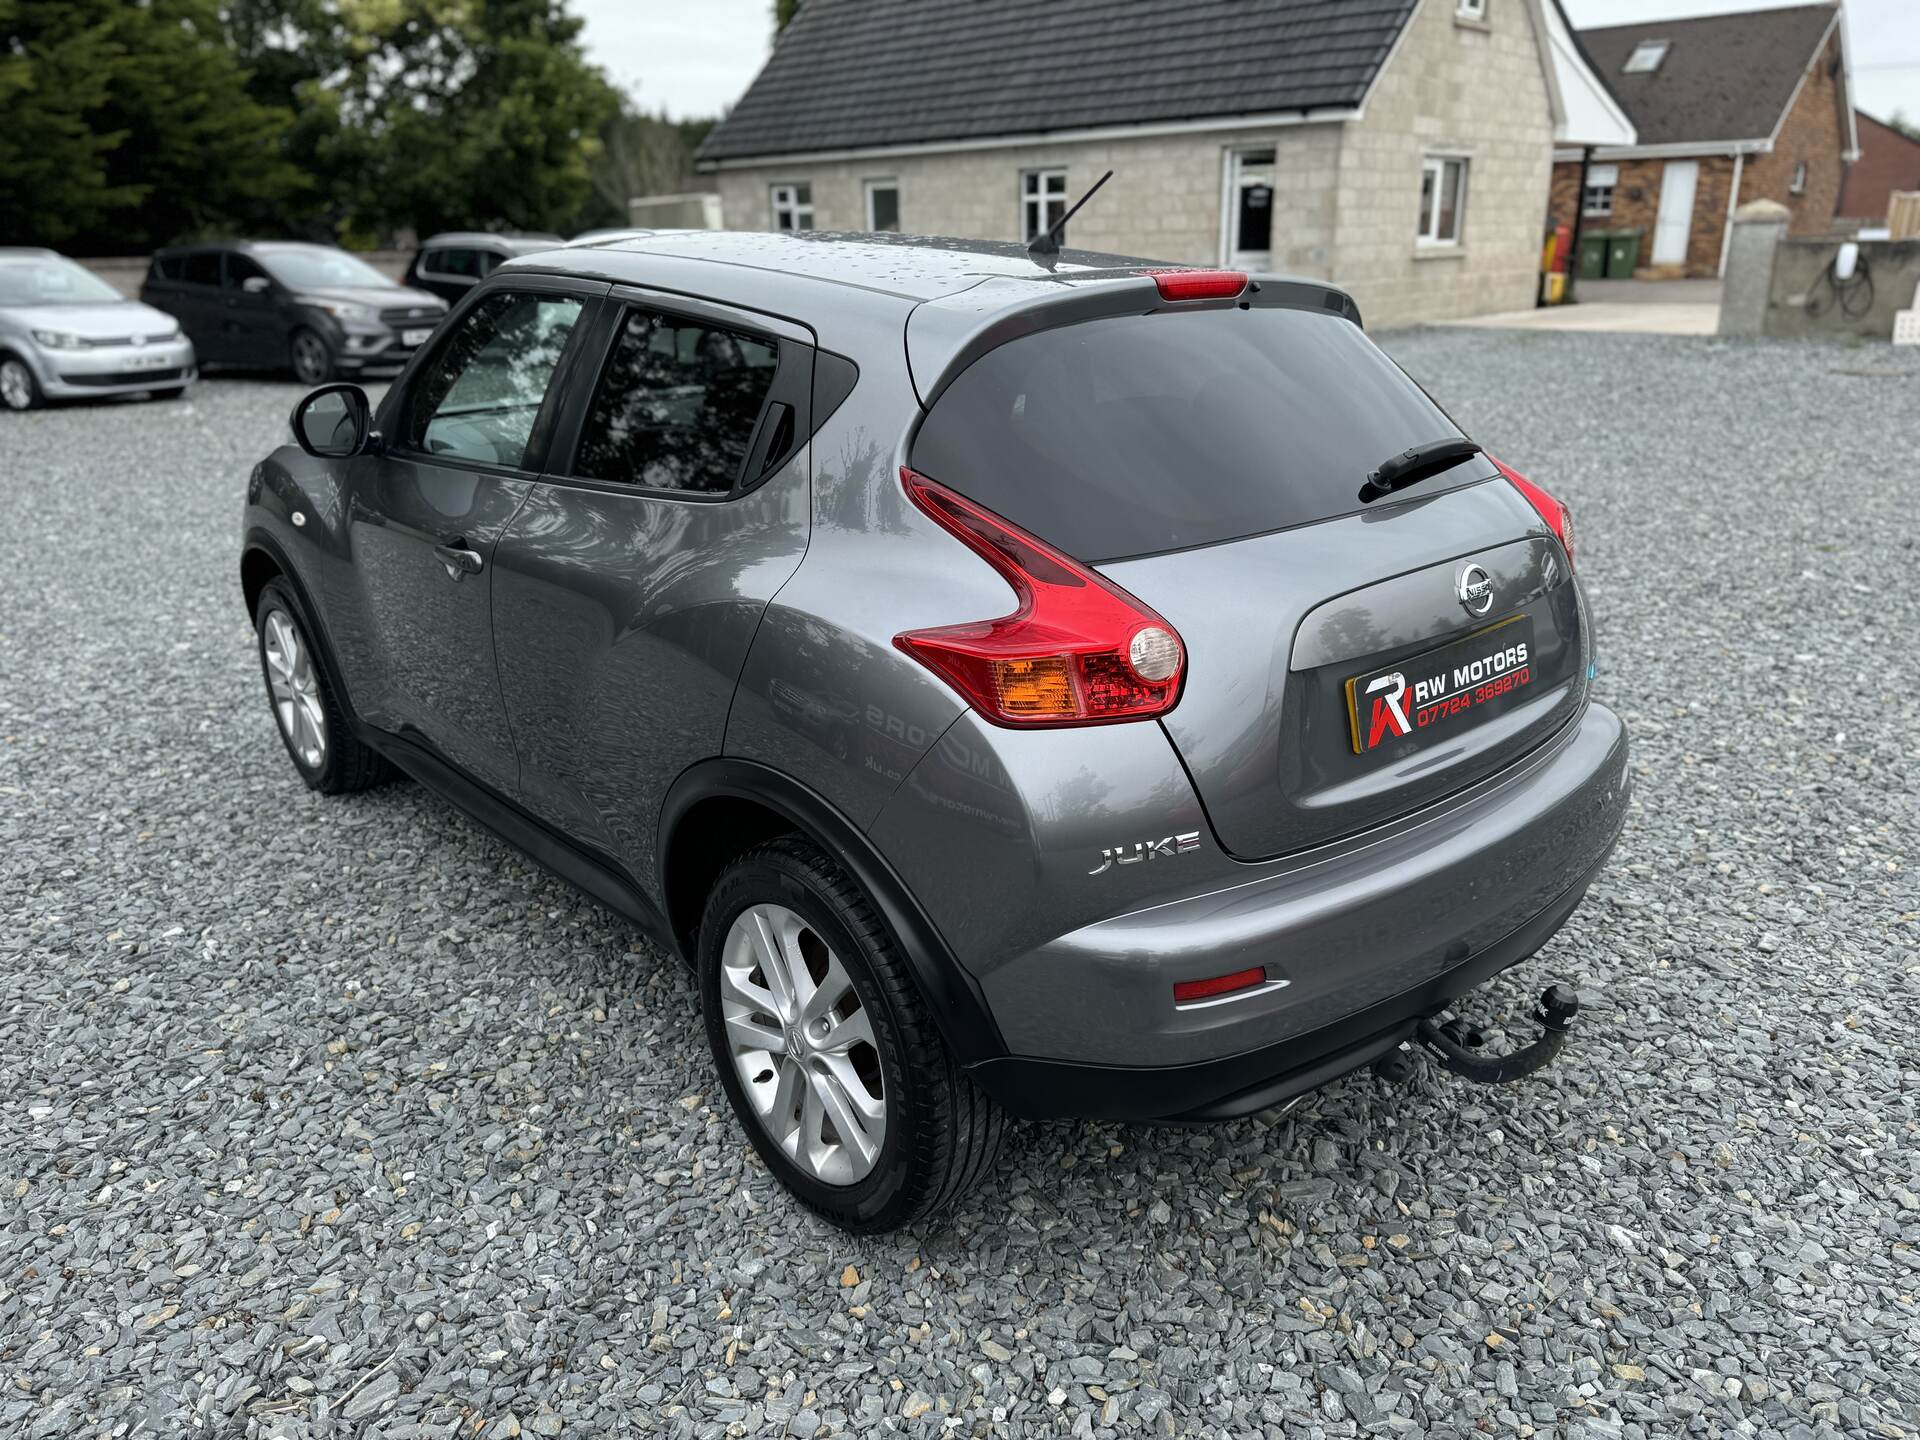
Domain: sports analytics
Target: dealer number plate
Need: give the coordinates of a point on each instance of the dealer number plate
(1444, 690)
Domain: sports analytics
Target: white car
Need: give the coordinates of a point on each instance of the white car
(65, 333)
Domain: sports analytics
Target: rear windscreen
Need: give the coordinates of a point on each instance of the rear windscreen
(1145, 433)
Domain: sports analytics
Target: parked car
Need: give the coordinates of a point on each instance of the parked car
(66, 333)
(450, 265)
(286, 305)
(1015, 692)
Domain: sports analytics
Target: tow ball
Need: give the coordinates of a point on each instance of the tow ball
(1454, 1041)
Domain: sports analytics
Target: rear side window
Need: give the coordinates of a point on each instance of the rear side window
(464, 264)
(677, 405)
(201, 268)
(1145, 433)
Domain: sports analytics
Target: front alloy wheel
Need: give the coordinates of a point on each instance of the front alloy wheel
(802, 1045)
(312, 360)
(17, 388)
(295, 689)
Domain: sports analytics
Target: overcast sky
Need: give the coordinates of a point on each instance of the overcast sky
(694, 57)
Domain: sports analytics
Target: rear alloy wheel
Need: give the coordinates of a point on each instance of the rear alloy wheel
(826, 1049)
(324, 749)
(18, 389)
(312, 360)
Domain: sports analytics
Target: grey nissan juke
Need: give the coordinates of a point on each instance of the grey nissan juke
(1019, 684)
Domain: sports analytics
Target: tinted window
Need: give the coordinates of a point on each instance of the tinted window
(201, 268)
(240, 269)
(1145, 433)
(463, 263)
(478, 397)
(677, 405)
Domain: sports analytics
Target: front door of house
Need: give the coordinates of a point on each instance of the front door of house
(1675, 223)
(1249, 217)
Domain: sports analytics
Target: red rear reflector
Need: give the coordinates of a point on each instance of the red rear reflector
(1559, 519)
(1077, 649)
(1197, 284)
(1186, 991)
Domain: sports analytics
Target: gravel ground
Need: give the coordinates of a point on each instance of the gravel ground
(336, 1118)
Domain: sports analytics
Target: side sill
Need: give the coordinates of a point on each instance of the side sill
(597, 877)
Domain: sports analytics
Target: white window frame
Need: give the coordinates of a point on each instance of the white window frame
(783, 196)
(882, 182)
(1474, 10)
(1038, 192)
(1603, 187)
(1798, 184)
(1427, 232)
(1646, 57)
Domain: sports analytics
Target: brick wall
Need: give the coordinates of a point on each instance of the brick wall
(1814, 131)
(1435, 96)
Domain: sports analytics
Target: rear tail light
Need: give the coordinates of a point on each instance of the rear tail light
(1077, 649)
(1197, 284)
(1185, 992)
(1559, 519)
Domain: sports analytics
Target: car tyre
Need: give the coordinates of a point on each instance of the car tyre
(18, 389)
(306, 710)
(311, 357)
(933, 1134)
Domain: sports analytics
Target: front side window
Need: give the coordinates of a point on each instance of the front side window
(479, 396)
(1043, 200)
(883, 205)
(1443, 200)
(1597, 198)
(242, 268)
(793, 206)
(677, 405)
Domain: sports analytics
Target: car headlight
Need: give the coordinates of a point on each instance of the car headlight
(58, 340)
(343, 309)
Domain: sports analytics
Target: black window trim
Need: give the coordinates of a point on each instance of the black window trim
(792, 386)
(394, 408)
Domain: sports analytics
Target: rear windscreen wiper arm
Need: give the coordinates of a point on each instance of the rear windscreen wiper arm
(1411, 466)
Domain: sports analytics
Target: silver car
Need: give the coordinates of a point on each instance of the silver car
(65, 333)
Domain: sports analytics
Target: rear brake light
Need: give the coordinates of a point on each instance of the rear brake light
(1559, 519)
(1197, 284)
(1077, 649)
(1185, 992)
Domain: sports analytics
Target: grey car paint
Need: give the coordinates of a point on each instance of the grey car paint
(643, 642)
(124, 347)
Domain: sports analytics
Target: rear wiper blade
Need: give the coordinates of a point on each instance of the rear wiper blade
(1414, 465)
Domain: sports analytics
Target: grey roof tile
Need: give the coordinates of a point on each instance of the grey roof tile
(854, 73)
(1726, 77)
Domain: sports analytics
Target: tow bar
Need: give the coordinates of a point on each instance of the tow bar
(1455, 1041)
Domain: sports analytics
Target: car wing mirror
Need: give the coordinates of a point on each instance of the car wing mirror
(256, 285)
(333, 422)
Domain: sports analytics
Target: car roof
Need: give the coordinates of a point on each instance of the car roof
(269, 247)
(912, 267)
(519, 244)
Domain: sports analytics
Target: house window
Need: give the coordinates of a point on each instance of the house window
(793, 206)
(883, 204)
(1597, 199)
(1443, 199)
(1799, 185)
(1043, 200)
(1646, 57)
(1475, 10)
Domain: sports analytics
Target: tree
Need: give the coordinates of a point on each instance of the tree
(783, 13)
(130, 125)
(642, 154)
(1898, 121)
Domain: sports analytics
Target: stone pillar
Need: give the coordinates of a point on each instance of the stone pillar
(1758, 226)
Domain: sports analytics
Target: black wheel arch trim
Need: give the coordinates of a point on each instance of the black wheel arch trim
(952, 997)
(262, 540)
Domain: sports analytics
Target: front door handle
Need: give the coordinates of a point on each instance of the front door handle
(458, 559)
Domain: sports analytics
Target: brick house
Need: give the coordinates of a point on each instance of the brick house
(1350, 140)
(1729, 108)
(1889, 161)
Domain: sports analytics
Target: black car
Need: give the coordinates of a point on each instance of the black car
(279, 305)
(451, 264)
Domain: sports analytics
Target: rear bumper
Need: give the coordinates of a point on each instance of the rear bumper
(1359, 944)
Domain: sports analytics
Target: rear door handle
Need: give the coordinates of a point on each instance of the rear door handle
(459, 560)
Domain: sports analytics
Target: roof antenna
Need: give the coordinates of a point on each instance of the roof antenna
(1045, 247)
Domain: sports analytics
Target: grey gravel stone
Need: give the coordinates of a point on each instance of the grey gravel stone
(281, 1078)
